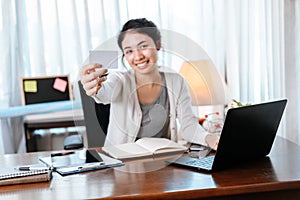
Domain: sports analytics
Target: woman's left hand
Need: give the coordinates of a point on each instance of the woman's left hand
(212, 140)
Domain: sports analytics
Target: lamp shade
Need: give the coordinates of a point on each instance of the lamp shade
(206, 85)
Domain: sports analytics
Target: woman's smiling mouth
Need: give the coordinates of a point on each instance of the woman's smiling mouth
(142, 65)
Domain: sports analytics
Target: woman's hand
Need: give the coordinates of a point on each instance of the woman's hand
(90, 80)
(212, 140)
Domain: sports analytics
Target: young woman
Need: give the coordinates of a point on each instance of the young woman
(145, 102)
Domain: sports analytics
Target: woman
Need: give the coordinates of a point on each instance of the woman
(145, 102)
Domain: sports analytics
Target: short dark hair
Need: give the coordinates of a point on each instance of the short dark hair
(141, 25)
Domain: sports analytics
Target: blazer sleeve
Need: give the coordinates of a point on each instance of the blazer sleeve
(190, 128)
(110, 88)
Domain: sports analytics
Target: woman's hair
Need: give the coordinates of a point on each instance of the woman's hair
(144, 26)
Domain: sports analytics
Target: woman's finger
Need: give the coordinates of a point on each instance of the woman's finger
(87, 69)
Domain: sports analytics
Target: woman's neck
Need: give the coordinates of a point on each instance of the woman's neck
(149, 79)
(148, 86)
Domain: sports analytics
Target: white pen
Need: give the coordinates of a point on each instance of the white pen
(26, 168)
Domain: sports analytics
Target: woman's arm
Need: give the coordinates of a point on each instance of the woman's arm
(110, 88)
(190, 128)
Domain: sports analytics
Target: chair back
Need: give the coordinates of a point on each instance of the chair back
(96, 117)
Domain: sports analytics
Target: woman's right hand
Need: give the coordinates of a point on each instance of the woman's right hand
(89, 77)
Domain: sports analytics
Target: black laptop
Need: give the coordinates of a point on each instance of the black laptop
(248, 134)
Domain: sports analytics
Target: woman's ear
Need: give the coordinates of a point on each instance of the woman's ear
(158, 45)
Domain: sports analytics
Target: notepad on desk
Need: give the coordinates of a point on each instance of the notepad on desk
(11, 176)
(144, 147)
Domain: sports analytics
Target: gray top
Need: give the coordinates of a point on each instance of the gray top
(155, 120)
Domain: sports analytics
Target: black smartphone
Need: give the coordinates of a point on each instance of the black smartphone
(75, 158)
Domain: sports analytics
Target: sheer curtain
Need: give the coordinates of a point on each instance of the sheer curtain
(9, 87)
(292, 73)
(245, 39)
(255, 51)
(262, 44)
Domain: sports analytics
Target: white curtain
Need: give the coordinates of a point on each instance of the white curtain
(10, 71)
(292, 68)
(246, 39)
(255, 51)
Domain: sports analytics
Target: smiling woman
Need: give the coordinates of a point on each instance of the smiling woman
(145, 101)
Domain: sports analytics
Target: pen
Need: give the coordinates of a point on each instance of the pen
(103, 75)
(62, 154)
(31, 168)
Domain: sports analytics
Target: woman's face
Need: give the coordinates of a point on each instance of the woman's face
(140, 52)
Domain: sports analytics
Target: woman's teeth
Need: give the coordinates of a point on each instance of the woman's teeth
(141, 64)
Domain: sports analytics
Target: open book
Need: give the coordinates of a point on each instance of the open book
(144, 147)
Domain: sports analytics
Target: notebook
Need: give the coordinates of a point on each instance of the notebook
(248, 134)
(10, 176)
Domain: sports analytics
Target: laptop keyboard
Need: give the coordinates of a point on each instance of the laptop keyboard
(203, 163)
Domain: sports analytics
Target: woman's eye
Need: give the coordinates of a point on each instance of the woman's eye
(128, 52)
(144, 46)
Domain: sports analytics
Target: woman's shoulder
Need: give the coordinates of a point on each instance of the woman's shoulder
(169, 71)
(173, 75)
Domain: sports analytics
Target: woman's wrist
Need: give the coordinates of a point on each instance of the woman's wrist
(212, 140)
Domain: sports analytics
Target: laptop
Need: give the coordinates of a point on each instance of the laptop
(248, 134)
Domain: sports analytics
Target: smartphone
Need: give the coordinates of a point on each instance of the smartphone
(75, 158)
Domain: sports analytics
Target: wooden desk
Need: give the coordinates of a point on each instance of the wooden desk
(275, 178)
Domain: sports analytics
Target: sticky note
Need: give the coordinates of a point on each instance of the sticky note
(30, 86)
(60, 84)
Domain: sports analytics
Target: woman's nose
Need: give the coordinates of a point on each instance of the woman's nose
(138, 54)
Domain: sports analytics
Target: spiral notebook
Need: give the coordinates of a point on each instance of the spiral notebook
(10, 176)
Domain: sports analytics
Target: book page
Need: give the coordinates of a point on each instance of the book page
(160, 145)
(128, 150)
(109, 160)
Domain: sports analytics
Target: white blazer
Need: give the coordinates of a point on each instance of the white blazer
(119, 90)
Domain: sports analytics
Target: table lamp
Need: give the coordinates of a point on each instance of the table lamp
(208, 92)
(206, 85)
